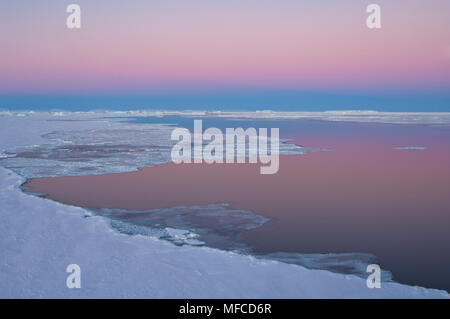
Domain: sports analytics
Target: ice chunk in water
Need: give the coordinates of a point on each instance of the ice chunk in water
(216, 225)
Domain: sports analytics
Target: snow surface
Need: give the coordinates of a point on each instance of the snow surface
(39, 238)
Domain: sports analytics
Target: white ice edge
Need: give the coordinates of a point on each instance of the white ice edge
(39, 238)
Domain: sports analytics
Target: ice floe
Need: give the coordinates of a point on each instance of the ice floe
(215, 225)
(68, 144)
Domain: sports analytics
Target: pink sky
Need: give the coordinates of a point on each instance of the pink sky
(159, 46)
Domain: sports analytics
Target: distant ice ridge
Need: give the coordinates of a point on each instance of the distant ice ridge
(339, 115)
(39, 238)
(43, 144)
(346, 116)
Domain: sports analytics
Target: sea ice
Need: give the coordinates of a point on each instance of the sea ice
(40, 237)
(89, 143)
(215, 225)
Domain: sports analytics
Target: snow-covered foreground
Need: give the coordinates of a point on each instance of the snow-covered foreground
(39, 238)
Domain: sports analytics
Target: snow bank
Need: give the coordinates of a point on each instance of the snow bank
(39, 238)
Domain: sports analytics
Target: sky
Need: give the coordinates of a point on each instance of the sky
(234, 54)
